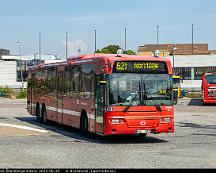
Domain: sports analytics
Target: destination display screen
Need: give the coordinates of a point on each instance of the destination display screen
(140, 67)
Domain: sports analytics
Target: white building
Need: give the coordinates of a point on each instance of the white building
(10, 71)
(191, 67)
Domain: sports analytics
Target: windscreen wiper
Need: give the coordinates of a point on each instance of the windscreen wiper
(147, 95)
(133, 98)
(130, 104)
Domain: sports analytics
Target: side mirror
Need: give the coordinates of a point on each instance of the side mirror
(102, 80)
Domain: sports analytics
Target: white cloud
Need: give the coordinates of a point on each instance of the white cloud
(74, 46)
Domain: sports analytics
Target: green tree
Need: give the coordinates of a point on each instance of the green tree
(112, 49)
(130, 52)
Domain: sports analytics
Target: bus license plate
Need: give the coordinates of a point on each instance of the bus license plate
(143, 131)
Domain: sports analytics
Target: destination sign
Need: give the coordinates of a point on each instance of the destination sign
(140, 67)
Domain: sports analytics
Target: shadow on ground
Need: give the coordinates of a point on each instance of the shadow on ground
(198, 102)
(193, 125)
(77, 137)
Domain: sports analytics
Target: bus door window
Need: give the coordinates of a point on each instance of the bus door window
(59, 96)
(51, 89)
(99, 104)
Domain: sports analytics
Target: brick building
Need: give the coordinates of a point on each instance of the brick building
(181, 49)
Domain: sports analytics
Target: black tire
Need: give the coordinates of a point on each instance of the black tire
(175, 102)
(204, 104)
(38, 114)
(142, 135)
(84, 125)
(43, 115)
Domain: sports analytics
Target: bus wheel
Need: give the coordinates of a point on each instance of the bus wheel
(44, 115)
(143, 135)
(84, 124)
(38, 114)
(175, 102)
(204, 104)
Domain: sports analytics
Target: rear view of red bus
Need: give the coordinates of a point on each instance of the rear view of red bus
(209, 88)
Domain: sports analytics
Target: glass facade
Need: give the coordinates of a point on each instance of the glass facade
(192, 73)
(24, 65)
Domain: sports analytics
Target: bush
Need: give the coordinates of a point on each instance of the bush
(22, 94)
(194, 95)
(12, 93)
(7, 92)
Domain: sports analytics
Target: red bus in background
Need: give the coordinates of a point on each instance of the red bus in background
(104, 94)
(209, 87)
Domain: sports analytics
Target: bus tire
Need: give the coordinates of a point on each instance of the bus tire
(203, 103)
(38, 113)
(84, 124)
(142, 135)
(44, 115)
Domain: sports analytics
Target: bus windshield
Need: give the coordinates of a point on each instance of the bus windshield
(211, 79)
(125, 89)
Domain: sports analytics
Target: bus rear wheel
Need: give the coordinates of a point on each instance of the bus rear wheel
(43, 115)
(38, 113)
(84, 124)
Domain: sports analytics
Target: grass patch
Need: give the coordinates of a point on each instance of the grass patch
(22, 94)
(11, 93)
(194, 95)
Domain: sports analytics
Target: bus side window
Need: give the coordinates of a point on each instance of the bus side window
(87, 80)
(75, 79)
(51, 79)
(67, 81)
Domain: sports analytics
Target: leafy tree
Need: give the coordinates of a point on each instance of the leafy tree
(112, 49)
(130, 52)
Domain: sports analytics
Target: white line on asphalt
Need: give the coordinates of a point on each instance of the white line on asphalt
(23, 127)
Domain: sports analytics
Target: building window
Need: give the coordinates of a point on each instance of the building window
(198, 71)
(183, 72)
(22, 64)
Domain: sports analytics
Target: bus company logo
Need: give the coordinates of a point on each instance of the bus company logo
(142, 122)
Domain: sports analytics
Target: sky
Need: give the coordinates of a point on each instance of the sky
(25, 19)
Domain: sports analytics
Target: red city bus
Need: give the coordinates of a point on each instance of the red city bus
(104, 94)
(209, 87)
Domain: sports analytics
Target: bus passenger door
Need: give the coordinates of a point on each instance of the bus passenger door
(99, 105)
(60, 96)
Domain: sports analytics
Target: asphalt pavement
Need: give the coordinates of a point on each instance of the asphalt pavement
(193, 145)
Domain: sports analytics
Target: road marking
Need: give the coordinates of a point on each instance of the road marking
(23, 127)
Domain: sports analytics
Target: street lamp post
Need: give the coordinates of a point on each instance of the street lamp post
(39, 45)
(192, 35)
(95, 40)
(125, 40)
(66, 49)
(21, 72)
(172, 50)
(157, 36)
